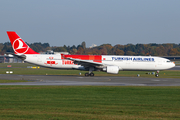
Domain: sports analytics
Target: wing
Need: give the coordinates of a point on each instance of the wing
(86, 63)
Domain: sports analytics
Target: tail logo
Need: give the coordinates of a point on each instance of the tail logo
(19, 46)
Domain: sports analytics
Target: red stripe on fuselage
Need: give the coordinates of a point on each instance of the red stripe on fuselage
(95, 58)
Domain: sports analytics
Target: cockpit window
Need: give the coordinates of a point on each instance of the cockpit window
(168, 61)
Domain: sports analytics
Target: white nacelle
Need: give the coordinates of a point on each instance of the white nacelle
(112, 69)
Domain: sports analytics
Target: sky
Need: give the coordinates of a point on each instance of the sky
(70, 22)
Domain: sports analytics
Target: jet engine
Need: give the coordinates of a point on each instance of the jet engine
(111, 69)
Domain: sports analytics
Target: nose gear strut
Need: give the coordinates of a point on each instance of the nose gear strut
(157, 74)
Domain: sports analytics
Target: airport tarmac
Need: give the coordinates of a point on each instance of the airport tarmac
(88, 81)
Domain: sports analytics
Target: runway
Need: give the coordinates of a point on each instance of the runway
(88, 81)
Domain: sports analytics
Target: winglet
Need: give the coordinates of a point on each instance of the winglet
(19, 46)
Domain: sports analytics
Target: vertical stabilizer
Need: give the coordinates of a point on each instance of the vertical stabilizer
(18, 45)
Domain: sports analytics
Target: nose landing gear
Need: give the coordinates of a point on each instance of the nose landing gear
(157, 74)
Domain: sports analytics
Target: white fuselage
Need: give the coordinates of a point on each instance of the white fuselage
(123, 62)
(108, 63)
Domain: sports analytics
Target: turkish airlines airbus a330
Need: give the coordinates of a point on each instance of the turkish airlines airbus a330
(107, 63)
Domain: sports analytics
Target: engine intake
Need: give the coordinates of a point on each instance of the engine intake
(111, 69)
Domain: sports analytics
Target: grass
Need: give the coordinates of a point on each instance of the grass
(87, 102)
(21, 69)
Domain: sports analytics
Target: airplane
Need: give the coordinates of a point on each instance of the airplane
(108, 63)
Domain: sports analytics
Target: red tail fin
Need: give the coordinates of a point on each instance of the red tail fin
(19, 46)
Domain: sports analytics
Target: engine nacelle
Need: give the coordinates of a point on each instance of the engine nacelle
(111, 69)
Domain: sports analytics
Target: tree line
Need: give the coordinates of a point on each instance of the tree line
(104, 49)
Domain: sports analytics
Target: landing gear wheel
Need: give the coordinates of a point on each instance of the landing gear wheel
(86, 74)
(157, 75)
(91, 74)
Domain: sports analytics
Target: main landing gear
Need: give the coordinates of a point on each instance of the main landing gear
(91, 69)
(89, 74)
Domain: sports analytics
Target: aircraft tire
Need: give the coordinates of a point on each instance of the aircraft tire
(157, 75)
(91, 74)
(86, 74)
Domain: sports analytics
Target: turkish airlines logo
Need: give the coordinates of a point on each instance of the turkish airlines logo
(19, 46)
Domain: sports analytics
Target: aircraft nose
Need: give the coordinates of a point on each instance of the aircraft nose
(173, 64)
